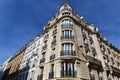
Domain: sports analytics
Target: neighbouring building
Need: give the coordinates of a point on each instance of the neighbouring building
(68, 49)
(13, 64)
(29, 62)
(1, 72)
(5, 69)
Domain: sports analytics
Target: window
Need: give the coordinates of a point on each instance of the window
(54, 40)
(41, 70)
(52, 68)
(41, 73)
(92, 76)
(67, 23)
(67, 34)
(67, 69)
(67, 46)
(66, 7)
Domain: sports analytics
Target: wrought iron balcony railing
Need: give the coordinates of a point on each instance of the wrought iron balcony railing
(53, 42)
(52, 57)
(51, 75)
(67, 53)
(67, 37)
(68, 74)
(115, 69)
(93, 60)
(67, 25)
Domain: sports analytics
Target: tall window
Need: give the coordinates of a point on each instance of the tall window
(52, 68)
(67, 46)
(68, 69)
(41, 70)
(67, 33)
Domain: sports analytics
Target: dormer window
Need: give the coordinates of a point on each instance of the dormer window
(65, 13)
(66, 7)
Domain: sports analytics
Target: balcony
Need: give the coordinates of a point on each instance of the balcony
(42, 60)
(93, 49)
(68, 74)
(93, 60)
(67, 25)
(54, 31)
(40, 77)
(52, 57)
(86, 45)
(84, 34)
(46, 36)
(51, 75)
(107, 65)
(44, 47)
(67, 53)
(90, 38)
(115, 69)
(67, 37)
(53, 42)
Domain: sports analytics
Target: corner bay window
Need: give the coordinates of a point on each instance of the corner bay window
(67, 49)
(67, 69)
(67, 34)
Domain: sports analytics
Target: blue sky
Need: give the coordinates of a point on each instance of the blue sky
(21, 20)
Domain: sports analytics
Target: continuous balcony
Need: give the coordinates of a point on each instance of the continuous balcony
(67, 38)
(71, 74)
(52, 57)
(67, 25)
(42, 60)
(44, 47)
(51, 75)
(115, 69)
(67, 53)
(93, 60)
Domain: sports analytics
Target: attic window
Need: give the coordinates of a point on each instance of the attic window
(65, 7)
(66, 13)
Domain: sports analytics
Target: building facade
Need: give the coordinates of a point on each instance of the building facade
(75, 50)
(69, 49)
(13, 64)
(1, 72)
(30, 59)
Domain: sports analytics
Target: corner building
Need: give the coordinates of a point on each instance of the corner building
(73, 49)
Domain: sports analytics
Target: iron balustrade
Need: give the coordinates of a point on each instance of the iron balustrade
(93, 60)
(115, 69)
(67, 25)
(67, 37)
(52, 56)
(68, 53)
(53, 42)
(68, 74)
